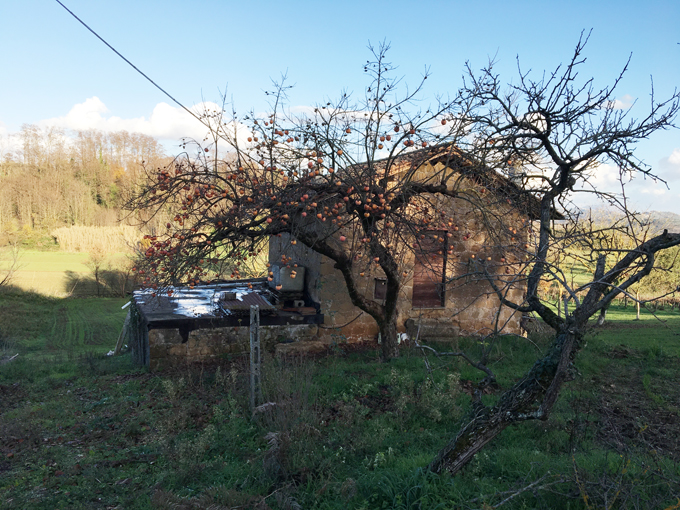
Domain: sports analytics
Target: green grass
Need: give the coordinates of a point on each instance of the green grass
(53, 273)
(41, 326)
(34, 261)
(49, 272)
(82, 430)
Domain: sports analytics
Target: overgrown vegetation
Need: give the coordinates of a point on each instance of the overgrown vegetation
(82, 430)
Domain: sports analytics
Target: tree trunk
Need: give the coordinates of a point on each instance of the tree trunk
(532, 397)
(602, 317)
(388, 335)
(637, 305)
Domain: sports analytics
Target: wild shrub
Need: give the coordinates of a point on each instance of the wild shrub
(192, 451)
(289, 420)
(435, 401)
(7, 345)
(174, 390)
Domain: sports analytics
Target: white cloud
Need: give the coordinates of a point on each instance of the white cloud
(653, 191)
(674, 158)
(604, 177)
(9, 142)
(670, 166)
(622, 103)
(166, 122)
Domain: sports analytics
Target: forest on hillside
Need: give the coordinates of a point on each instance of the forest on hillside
(54, 177)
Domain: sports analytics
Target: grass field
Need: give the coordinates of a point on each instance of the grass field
(44, 327)
(47, 272)
(55, 273)
(79, 429)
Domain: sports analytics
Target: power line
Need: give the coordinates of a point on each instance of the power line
(134, 67)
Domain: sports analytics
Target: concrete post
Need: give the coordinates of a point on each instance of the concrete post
(255, 358)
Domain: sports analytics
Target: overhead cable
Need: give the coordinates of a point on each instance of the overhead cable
(134, 67)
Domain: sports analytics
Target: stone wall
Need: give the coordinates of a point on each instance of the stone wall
(472, 308)
(167, 348)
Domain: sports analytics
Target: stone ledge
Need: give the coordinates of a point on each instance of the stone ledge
(305, 348)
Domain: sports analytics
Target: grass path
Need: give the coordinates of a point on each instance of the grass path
(86, 324)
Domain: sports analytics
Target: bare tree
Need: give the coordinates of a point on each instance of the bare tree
(95, 263)
(559, 129)
(10, 265)
(59, 177)
(345, 179)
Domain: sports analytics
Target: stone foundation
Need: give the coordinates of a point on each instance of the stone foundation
(168, 347)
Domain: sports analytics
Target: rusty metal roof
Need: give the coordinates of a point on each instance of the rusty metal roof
(206, 306)
(243, 302)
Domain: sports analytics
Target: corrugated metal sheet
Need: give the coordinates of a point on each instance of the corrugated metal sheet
(204, 301)
(244, 304)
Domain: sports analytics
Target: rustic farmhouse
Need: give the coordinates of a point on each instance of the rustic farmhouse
(443, 293)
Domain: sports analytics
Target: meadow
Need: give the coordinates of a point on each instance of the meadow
(79, 429)
(64, 263)
(47, 272)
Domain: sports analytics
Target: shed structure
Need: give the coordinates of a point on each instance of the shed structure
(212, 320)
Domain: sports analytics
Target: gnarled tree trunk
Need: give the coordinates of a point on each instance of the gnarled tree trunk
(519, 403)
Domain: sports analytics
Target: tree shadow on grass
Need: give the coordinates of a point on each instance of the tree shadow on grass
(106, 283)
(34, 324)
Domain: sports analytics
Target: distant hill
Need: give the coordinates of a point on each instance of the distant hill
(662, 220)
(657, 220)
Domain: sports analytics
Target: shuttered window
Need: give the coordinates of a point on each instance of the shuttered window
(380, 289)
(429, 271)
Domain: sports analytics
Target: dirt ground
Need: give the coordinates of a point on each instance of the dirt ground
(635, 412)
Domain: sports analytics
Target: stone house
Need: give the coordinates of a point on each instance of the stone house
(440, 294)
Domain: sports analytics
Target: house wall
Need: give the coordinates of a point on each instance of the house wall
(472, 308)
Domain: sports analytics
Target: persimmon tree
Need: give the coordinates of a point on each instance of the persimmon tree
(340, 179)
(343, 179)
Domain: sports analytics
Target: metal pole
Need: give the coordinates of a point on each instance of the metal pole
(255, 357)
(125, 332)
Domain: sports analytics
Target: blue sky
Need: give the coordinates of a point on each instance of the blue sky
(55, 72)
